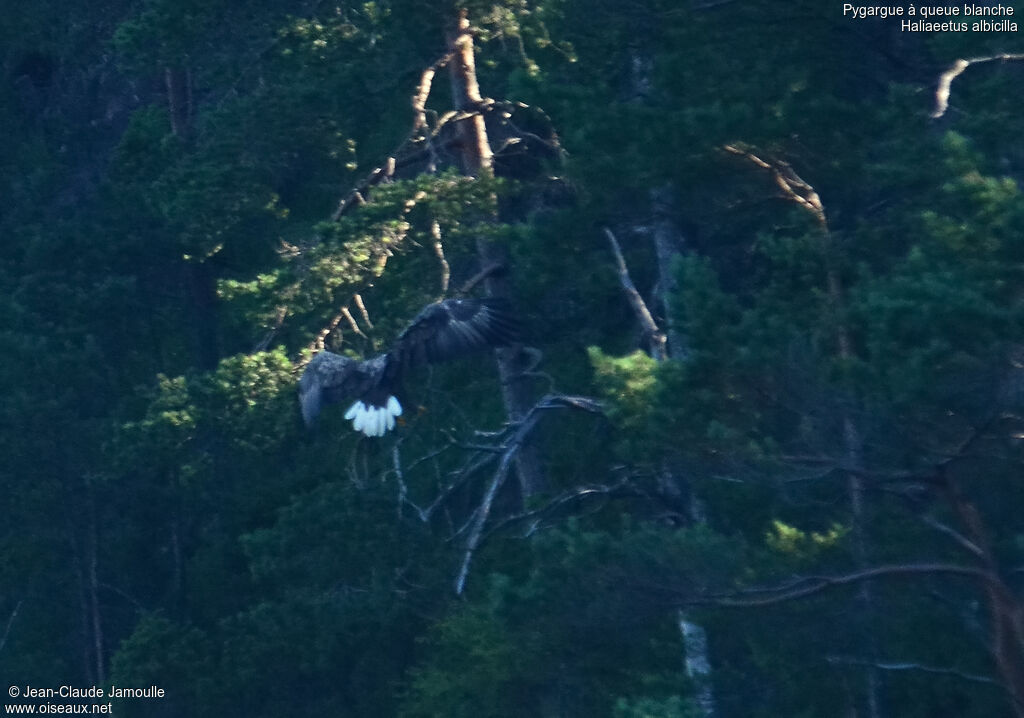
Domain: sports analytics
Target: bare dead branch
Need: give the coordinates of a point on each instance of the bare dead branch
(262, 344)
(10, 622)
(429, 456)
(509, 108)
(809, 585)
(420, 127)
(419, 132)
(535, 356)
(650, 327)
(517, 436)
(446, 272)
(793, 186)
(356, 196)
(403, 490)
(358, 299)
(522, 134)
(419, 144)
(424, 514)
(945, 84)
(357, 474)
(710, 4)
(566, 401)
(909, 666)
(621, 488)
(318, 343)
(471, 446)
(352, 321)
(123, 594)
(488, 271)
(484, 509)
(952, 533)
(419, 99)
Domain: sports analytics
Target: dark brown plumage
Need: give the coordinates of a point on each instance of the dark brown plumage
(441, 331)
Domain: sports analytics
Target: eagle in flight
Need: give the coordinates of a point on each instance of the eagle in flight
(444, 330)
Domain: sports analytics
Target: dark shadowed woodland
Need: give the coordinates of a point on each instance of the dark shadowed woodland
(757, 452)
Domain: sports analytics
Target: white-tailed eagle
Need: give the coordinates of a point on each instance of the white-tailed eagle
(443, 330)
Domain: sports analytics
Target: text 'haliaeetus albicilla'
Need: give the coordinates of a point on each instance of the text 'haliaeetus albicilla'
(444, 330)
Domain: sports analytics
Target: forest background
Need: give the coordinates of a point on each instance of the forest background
(756, 457)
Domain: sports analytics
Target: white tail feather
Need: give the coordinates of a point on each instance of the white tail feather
(394, 408)
(374, 420)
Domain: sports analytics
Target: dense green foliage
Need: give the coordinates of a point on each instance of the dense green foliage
(847, 400)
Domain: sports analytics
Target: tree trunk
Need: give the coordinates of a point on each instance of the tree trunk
(84, 543)
(865, 594)
(94, 593)
(85, 644)
(202, 293)
(179, 99)
(200, 282)
(477, 160)
(1006, 614)
(667, 248)
(667, 240)
(698, 667)
(855, 482)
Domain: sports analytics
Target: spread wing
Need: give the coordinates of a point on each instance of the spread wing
(442, 331)
(331, 378)
(455, 327)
